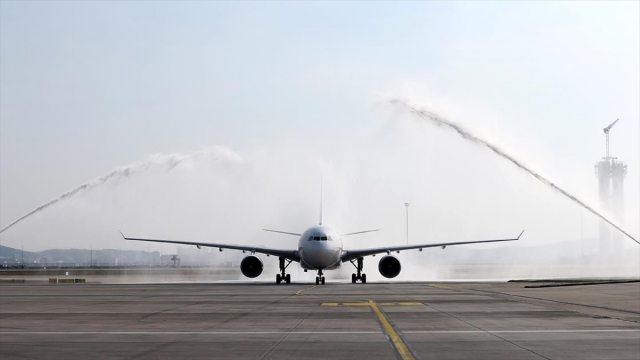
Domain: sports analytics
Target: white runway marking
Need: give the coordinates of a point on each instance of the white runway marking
(301, 332)
(519, 331)
(184, 332)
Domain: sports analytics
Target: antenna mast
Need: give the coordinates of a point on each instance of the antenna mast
(606, 132)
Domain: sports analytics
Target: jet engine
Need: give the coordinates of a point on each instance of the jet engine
(389, 266)
(251, 266)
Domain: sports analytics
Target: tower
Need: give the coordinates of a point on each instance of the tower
(611, 173)
(603, 172)
(618, 172)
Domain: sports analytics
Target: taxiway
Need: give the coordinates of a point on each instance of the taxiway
(334, 321)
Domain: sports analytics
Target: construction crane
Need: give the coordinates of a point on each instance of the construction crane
(606, 132)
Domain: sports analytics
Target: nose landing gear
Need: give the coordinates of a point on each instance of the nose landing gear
(283, 277)
(359, 275)
(319, 278)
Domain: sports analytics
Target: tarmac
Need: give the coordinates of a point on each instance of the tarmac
(334, 321)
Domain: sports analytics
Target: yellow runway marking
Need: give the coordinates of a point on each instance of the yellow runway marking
(329, 304)
(408, 303)
(441, 287)
(303, 290)
(397, 341)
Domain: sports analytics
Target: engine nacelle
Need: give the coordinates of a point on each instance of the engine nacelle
(251, 266)
(389, 266)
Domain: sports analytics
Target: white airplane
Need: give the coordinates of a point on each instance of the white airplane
(320, 248)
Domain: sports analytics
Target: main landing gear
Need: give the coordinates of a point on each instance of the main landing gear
(359, 276)
(283, 276)
(319, 278)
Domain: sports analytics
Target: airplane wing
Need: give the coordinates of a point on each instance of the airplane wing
(348, 255)
(292, 255)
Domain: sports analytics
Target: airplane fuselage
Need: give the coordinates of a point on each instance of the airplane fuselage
(320, 247)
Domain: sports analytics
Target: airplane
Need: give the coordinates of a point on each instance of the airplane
(320, 248)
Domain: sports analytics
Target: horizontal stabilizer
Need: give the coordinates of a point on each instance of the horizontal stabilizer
(360, 232)
(283, 232)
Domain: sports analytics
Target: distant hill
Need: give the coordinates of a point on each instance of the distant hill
(11, 253)
(108, 257)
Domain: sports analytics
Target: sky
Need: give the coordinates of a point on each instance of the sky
(278, 93)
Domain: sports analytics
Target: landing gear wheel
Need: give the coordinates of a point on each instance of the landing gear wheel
(319, 278)
(358, 264)
(283, 277)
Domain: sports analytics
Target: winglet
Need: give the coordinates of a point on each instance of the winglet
(124, 237)
(518, 238)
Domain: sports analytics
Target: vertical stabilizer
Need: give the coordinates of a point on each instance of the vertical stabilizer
(321, 212)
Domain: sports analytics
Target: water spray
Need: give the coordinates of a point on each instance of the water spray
(168, 161)
(467, 135)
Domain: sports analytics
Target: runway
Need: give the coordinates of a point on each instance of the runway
(337, 321)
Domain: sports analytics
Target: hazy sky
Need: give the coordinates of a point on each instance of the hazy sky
(298, 88)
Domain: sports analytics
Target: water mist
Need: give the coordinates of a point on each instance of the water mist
(168, 161)
(438, 120)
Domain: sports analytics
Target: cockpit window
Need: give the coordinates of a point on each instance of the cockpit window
(316, 238)
(323, 238)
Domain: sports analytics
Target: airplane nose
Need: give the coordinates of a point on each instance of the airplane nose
(319, 255)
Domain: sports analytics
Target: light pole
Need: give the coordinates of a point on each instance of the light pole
(91, 251)
(581, 235)
(406, 205)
